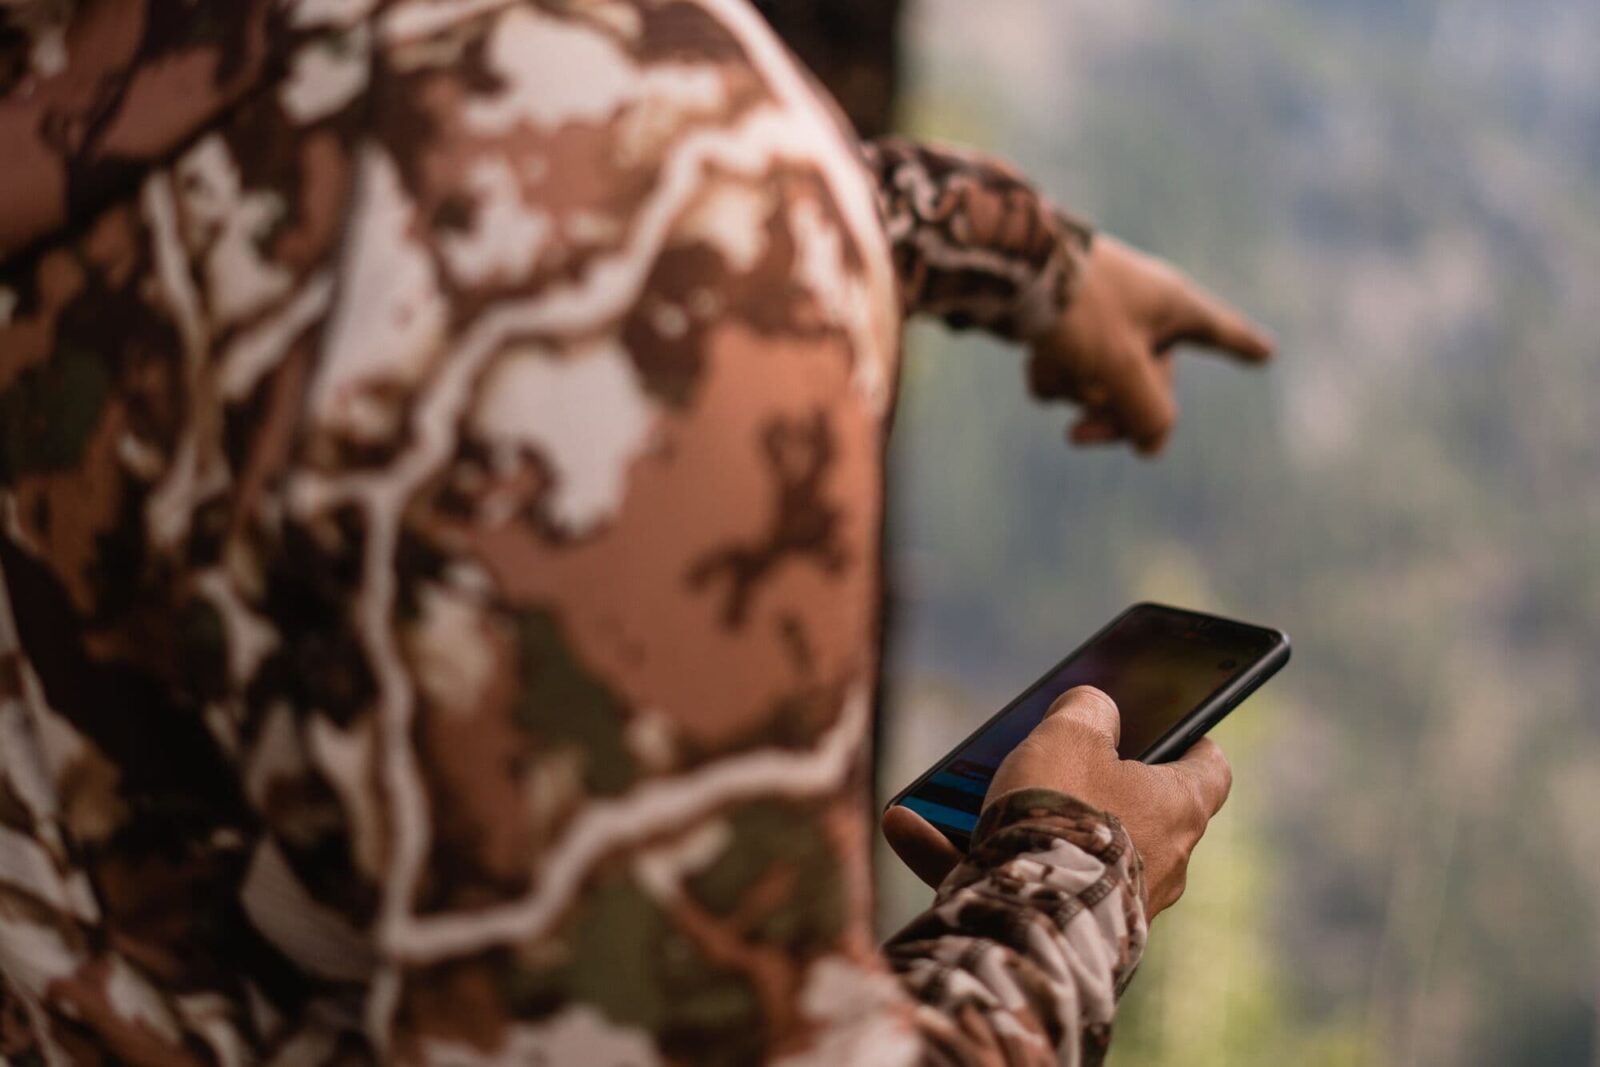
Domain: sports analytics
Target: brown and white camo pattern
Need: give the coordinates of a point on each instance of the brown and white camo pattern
(440, 489)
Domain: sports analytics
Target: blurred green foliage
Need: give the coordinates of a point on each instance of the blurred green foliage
(1409, 194)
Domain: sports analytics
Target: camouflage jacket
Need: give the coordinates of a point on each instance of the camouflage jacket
(440, 500)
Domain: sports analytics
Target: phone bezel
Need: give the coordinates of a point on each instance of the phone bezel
(1183, 733)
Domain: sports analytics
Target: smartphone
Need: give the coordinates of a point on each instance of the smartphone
(1173, 673)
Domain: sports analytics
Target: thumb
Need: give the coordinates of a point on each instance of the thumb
(1091, 708)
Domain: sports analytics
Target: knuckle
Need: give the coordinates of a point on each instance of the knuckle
(1218, 769)
(1064, 738)
(1166, 412)
(1031, 746)
(1189, 802)
(1157, 420)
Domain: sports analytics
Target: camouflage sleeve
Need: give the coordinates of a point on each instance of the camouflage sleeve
(974, 243)
(625, 542)
(1031, 940)
(440, 501)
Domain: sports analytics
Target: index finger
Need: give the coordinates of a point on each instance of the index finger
(1199, 318)
(928, 853)
(1206, 770)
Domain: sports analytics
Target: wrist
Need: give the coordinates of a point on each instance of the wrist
(1021, 816)
(1043, 302)
(1031, 822)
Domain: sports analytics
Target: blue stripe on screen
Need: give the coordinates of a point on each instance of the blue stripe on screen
(961, 782)
(943, 816)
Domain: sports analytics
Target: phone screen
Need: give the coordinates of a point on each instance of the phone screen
(1158, 663)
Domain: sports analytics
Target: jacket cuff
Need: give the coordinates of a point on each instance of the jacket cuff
(1031, 820)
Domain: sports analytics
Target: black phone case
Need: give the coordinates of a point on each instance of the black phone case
(1170, 745)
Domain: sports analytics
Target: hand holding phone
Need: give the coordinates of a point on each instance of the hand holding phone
(1164, 807)
(1174, 674)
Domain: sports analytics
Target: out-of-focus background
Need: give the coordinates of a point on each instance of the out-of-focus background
(1408, 192)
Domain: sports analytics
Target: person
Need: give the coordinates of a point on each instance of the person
(442, 494)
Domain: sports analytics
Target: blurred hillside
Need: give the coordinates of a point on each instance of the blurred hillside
(1409, 194)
